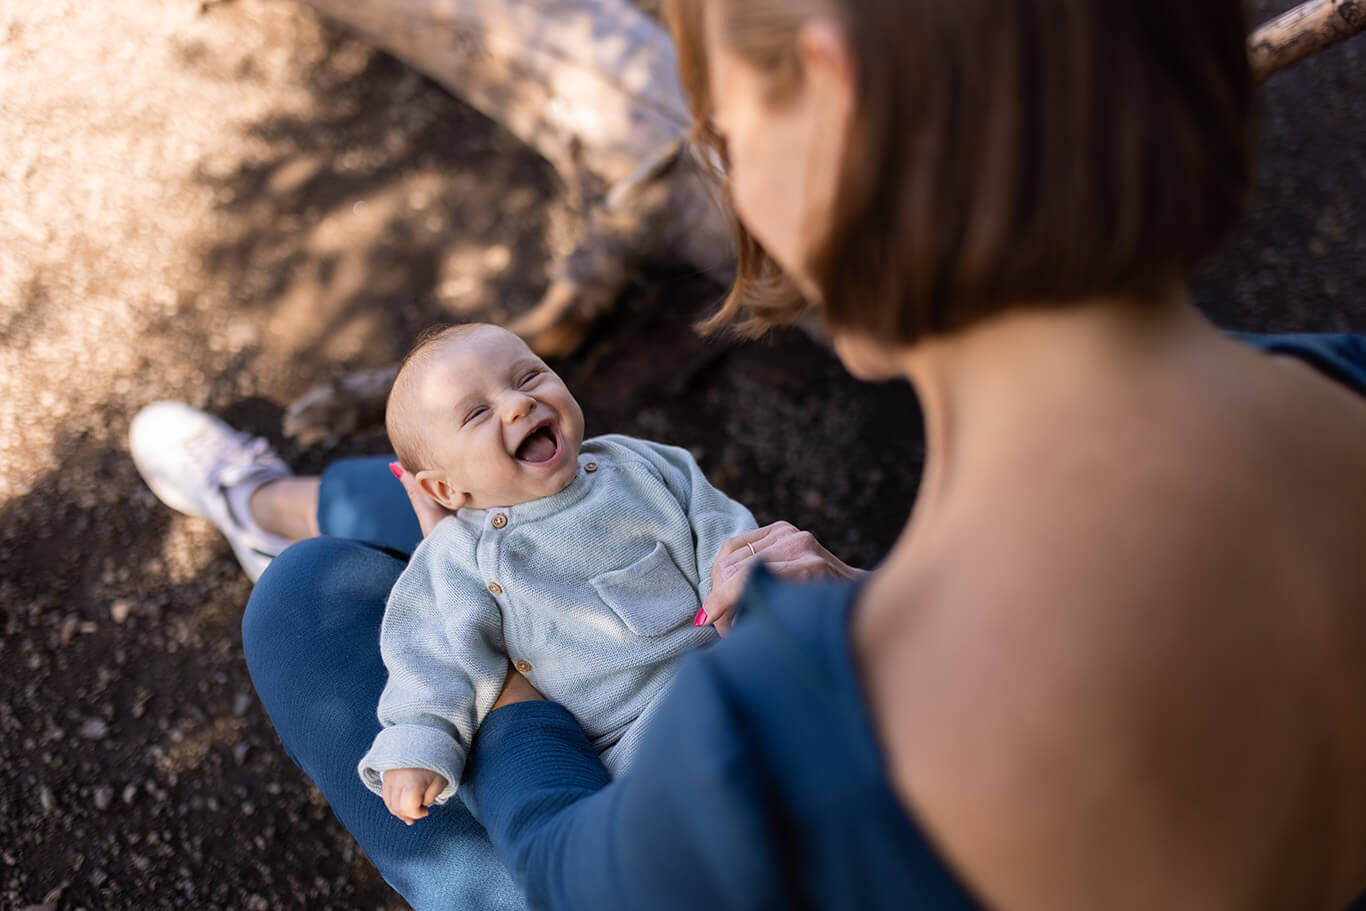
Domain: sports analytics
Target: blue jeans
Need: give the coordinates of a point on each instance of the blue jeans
(311, 636)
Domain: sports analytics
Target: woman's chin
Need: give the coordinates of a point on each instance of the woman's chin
(866, 359)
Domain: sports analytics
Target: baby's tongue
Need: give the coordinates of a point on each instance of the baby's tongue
(539, 447)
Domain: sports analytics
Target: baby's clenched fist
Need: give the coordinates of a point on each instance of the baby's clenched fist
(408, 792)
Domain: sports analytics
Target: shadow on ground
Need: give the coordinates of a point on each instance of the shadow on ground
(141, 772)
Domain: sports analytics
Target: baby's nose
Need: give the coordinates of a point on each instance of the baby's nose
(518, 405)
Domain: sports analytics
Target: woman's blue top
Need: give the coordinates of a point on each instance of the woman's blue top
(761, 783)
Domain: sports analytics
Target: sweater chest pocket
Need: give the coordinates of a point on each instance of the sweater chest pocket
(651, 596)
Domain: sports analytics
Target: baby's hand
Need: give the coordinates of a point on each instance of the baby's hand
(408, 792)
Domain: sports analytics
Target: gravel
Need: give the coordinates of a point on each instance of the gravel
(227, 206)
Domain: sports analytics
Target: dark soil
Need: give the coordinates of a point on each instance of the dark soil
(228, 205)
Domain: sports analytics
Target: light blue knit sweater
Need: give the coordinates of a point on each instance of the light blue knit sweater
(591, 592)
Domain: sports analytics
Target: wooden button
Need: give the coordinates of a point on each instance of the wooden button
(495, 588)
(500, 520)
(590, 467)
(523, 666)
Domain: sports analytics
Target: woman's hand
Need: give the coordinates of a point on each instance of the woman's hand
(429, 512)
(785, 550)
(516, 688)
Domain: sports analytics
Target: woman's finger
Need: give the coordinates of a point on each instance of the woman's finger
(802, 569)
(717, 608)
(737, 551)
(773, 543)
(786, 551)
(741, 541)
(429, 512)
(730, 571)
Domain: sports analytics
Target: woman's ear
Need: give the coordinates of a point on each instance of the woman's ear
(828, 61)
(435, 485)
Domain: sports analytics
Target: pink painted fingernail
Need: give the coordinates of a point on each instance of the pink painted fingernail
(397, 470)
(701, 618)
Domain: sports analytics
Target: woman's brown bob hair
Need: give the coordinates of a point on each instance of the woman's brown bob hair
(1026, 152)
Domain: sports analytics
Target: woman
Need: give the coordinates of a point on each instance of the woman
(1113, 659)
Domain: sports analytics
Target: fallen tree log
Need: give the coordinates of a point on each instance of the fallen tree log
(591, 85)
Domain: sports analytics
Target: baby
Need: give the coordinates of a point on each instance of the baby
(585, 562)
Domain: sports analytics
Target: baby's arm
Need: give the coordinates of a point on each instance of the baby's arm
(442, 642)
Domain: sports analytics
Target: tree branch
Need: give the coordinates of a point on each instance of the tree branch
(1302, 31)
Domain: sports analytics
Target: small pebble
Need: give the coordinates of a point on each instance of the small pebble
(104, 796)
(240, 703)
(120, 609)
(94, 729)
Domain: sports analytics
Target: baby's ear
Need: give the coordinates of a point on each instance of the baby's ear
(435, 485)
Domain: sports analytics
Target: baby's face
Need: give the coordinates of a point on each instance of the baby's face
(502, 426)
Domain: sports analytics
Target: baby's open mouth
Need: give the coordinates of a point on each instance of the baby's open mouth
(541, 445)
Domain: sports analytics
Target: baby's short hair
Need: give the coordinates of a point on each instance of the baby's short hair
(404, 426)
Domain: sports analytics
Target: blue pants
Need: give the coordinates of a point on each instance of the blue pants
(311, 636)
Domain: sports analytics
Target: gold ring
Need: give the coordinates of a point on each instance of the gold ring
(752, 551)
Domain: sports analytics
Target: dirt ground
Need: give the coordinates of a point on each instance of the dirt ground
(227, 203)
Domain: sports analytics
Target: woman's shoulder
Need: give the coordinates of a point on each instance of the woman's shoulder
(1079, 650)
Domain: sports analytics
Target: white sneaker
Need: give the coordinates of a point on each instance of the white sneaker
(198, 465)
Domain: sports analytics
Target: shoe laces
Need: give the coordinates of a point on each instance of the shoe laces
(239, 460)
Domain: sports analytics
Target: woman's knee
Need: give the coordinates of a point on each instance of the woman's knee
(274, 602)
(313, 587)
(359, 499)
